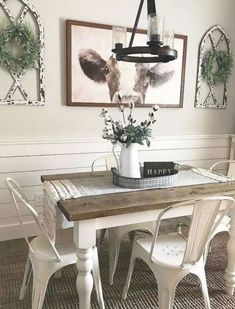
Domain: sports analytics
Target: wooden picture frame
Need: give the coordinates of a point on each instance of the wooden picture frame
(89, 53)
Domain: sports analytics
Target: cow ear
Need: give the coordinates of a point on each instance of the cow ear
(160, 74)
(93, 65)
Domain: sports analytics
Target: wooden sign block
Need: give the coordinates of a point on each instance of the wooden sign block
(159, 169)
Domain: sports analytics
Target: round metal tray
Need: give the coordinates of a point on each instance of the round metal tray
(138, 183)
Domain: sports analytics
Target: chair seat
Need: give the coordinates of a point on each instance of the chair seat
(169, 249)
(64, 245)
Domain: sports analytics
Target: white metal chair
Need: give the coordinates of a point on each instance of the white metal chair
(224, 225)
(116, 234)
(173, 256)
(231, 168)
(46, 258)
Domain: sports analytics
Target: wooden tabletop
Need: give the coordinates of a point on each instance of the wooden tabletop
(88, 207)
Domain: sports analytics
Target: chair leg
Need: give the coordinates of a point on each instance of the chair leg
(39, 291)
(101, 237)
(165, 297)
(206, 251)
(26, 279)
(97, 279)
(41, 275)
(129, 275)
(114, 248)
(205, 293)
(131, 236)
(166, 290)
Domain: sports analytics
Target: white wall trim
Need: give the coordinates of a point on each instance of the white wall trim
(100, 140)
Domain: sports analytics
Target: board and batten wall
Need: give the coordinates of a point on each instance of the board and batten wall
(27, 160)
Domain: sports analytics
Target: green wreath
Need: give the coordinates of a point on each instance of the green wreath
(216, 67)
(26, 44)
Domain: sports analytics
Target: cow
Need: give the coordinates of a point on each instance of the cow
(126, 82)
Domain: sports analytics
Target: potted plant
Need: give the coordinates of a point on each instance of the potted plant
(127, 134)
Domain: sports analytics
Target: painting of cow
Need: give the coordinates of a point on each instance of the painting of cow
(96, 78)
(131, 84)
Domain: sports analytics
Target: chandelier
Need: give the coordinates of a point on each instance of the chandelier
(160, 42)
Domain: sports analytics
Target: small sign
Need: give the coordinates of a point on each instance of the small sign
(159, 169)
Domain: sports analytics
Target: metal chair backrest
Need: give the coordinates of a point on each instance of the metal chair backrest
(109, 161)
(18, 196)
(231, 168)
(207, 214)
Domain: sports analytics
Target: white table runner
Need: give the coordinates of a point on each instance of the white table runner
(104, 185)
(54, 191)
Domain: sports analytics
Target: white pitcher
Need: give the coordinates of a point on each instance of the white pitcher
(128, 161)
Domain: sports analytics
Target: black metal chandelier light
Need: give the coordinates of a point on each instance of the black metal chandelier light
(156, 50)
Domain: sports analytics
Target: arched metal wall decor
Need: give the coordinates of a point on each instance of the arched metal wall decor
(209, 95)
(26, 9)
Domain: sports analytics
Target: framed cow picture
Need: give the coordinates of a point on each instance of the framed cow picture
(96, 78)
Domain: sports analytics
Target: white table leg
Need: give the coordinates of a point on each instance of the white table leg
(85, 239)
(84, 281)
(230, 270)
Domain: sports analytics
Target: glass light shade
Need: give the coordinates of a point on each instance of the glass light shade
(168, 38)
(119, 36)
(155, 28)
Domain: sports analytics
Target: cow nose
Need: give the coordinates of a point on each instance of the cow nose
(135, 98)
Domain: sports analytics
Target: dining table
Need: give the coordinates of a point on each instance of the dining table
(100, 204)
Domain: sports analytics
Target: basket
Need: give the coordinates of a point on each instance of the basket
(139, 183)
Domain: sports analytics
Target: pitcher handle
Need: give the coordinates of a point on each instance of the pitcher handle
(116, 157)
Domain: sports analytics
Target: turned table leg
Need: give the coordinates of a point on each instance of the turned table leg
(230, 270)
(84, 281)
(84, 238)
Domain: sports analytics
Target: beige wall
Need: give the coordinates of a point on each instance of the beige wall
(56, 120)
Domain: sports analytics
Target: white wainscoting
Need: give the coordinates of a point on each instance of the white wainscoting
(26, 161)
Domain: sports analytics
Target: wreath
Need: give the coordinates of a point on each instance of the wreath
(19, 48)
(216, 67)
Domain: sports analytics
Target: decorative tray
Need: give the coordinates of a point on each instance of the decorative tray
(138, 183)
